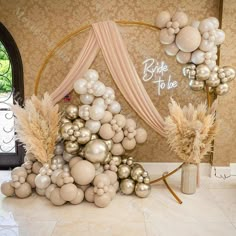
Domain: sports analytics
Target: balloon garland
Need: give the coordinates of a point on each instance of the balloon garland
(196, 44)
(89, 159)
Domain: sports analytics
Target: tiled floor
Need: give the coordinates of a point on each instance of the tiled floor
(211, 211)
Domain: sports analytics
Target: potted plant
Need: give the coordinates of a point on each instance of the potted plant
(190, 132)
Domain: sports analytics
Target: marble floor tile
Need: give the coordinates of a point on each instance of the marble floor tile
(226, 200)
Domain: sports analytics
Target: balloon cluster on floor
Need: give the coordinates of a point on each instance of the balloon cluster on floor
(89, 159)
(196, 44)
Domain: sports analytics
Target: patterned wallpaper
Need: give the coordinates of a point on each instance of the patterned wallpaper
(38, 25)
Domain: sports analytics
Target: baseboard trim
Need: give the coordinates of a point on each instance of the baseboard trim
(206, 169)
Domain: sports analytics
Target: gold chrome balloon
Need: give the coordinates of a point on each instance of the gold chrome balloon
(123, 171)
(196, 85)
(84, 136)
(71, 147)
(203, 72)
(136, 171)
(213, 80)
(71, 112)
(142, 190)
(127, 186)
(222, 89)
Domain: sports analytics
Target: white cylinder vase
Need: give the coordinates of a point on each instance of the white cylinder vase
(189, 178)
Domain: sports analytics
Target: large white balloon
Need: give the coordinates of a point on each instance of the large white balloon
(114, 107)
(86, 99)
(99, 88)
(206, 45)
(214, 21)
(198, 57)
(84, 112)
(100, 102)
(171, 49)
(97, 112)
(80, 86)
(91, 75)
(206, 25)
(93, 126)
(220, 37)
(183, 57)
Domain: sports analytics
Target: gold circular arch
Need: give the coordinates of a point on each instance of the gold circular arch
(75, 33)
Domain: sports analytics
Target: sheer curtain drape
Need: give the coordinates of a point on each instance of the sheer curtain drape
(106, 36)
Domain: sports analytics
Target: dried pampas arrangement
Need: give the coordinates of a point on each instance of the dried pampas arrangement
(37, 126)
(190, 130)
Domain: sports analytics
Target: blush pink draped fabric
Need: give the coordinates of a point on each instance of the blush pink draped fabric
(106, 35)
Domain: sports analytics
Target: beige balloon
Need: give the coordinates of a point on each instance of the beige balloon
(107, 117)
(112, 176)
(117, 149)
(83, 172)
(162, 19)
(129, 144)
(49, 190)
(112, 191)
(74, 160)
(103, 200)
(188, 39)
(89, 194)
(79, 197)
(183, 57)
(7, 189)
(120, 120)
(36, 167)
(141, 135)
(31, 180)
(102, 178)
(19, 171)
(106, 131)
(171, 49)
(165, 37)
(56, 198)
(24, 190)
(118, 137)
(68, 192)
(181, 18)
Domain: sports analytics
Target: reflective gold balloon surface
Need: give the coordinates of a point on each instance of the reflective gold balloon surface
(127, 186)
(142, 190)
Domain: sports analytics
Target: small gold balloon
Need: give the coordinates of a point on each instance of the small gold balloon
(64, 120)
(213, 80)
(84, 136)
(108, 158)
(123, 171)
(109, 144)
(71, 112)
(94, 136)
(79, 122)
(222, 89)
(136, 171)
(196, 85)
(203, 72)
(229, 74)
(127, 186)
(71, 147)
(65, 130)
(116, 160)
(142, 190)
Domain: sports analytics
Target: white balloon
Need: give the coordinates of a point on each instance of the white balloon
(97, 112)
(100, 102)
(206, 25)
(198, 57)
(86, 99)
(183, 57)
(220, 37)
(108, 93)
(171, 49)
(84, 112)
(211, 64)
(93, 125)
(206, 45)
(214, 21)
(99, 88)
(80, 86)
(114, 107)
(91, 75)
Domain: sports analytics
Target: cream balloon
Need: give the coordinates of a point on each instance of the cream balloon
(56, 198)
(93, 126)
(100, 102)
(97, 112)
(86, 99)
(42, 181)
(129, 144)
(198, 57)
(214, 21)
(206, 25)
(188, 39)
(162, 19)
(196, 24)
(171, 49)
(23, 191)
(165, 37)
(98, 88)
(91, 75)
(80, 86)
(183, 57)
(222, 89)
(68, 192)
(141, 135)
(206, 45)
(89, 194)
(181, 18)
(107, 117)
(114, 107)
(118, 137)
(49, 190)
(220, 37)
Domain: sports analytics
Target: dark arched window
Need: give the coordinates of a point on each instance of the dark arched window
(11, 91)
